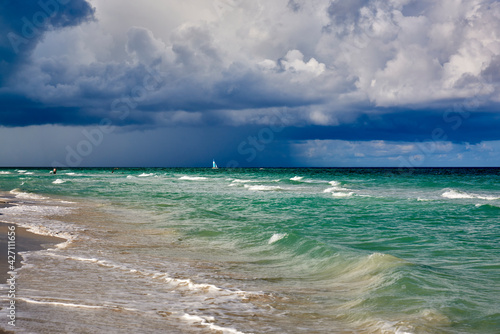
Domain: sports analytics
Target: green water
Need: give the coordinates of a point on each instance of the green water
(354, 250)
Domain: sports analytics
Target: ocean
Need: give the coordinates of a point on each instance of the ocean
(306, 250)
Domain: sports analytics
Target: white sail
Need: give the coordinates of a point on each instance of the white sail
(214, 166)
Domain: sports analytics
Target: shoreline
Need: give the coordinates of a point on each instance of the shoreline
(25, 241)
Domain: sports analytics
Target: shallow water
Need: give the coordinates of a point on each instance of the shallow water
(259, 251)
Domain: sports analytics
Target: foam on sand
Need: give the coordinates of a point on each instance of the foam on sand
(208, 322)
(64, 304)
(32, 218)
(186, 284)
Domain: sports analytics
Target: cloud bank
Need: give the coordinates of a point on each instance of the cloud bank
(332, 70)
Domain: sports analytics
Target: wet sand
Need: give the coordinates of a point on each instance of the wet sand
(4, 203)
(25, 241)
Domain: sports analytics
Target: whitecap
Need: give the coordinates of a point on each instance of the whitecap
(263, 188)
(58, 181)
(4, 173)
(455, 194)
(342, 194)
(193, 178)
(23, 195)
(74, 174)
(488, 198)
(146, 175)
(277, 237)
(243, 181)
(296, 178)
(335, 187)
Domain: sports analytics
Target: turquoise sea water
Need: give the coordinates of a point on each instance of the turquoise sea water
(259, 250)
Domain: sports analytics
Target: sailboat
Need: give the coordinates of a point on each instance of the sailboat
(214, 166)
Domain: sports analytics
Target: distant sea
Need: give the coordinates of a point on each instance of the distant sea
(185, 250)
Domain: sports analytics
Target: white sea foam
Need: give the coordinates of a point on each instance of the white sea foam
(74, 174)
(342, 194)
(296, 178)
(64, 304)
(22, 171)
(4, 173)
(381, 326)
(183, 284)
(277, 237)
(32, 217)
(488, 198)
(58, 181)
(130, 177)
(193, 178)
(335, 187)
(330, 190)
(146, 175)
(409, 325)
(263, 188)
(22, 195)
(456, 194)
(208, 322)
(244, 181)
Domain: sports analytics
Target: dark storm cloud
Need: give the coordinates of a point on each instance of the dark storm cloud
(408, 126)
(335, 70)
(23, 25)
(16, 111)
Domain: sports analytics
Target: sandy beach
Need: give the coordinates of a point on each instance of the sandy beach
(25, 241)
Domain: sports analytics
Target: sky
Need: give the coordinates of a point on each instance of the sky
(257, 83)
